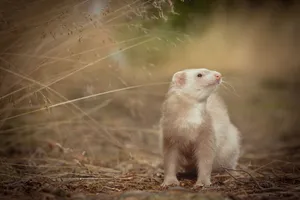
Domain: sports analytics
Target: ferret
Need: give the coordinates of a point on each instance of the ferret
(196, 131)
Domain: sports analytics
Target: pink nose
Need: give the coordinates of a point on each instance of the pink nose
(218, 76)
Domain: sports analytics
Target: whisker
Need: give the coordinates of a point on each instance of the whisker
(231, 89)
(230, 85)
(225, 87)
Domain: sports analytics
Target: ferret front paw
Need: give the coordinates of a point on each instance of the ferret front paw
(170, 182)
(200, 184)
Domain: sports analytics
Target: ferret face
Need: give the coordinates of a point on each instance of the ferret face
(199, 83)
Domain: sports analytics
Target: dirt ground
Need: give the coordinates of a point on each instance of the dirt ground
(78, 124)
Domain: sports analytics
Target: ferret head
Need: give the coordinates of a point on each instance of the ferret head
(199, 83)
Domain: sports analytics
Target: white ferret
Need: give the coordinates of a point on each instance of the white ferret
(197, 133)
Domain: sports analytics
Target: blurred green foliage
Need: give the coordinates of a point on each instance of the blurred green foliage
(169, 27)
(185, 12)
(188, 11)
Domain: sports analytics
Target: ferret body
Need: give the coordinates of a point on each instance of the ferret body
(197, 133)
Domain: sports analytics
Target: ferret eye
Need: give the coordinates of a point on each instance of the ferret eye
(199, 75)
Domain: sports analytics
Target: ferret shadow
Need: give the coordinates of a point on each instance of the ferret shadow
(191, 175)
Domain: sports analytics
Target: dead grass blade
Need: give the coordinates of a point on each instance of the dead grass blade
(84, 67)
(59, 95)
(86, 97)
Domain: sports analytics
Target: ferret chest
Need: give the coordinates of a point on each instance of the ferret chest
(188, 123)
(192, 116)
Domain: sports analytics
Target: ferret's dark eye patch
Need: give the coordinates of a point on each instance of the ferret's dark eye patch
(199, 75)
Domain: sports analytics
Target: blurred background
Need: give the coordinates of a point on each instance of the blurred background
(82, 82)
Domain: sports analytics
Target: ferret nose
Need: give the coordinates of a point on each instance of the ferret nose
(218, 76)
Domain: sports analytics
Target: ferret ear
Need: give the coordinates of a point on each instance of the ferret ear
(179, 78)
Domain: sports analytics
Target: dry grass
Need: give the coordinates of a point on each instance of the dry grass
(77, 116)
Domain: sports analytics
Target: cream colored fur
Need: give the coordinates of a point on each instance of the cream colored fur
(197, 133)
